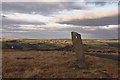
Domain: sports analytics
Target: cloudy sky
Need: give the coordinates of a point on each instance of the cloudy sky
(56, 20)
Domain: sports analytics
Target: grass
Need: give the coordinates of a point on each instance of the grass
(41, 60)
(51, 44)
(55, 64)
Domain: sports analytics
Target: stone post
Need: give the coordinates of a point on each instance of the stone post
(78, 48)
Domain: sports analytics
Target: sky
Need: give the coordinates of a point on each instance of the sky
(56, 19)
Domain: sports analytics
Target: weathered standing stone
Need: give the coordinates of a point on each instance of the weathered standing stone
(78, 48)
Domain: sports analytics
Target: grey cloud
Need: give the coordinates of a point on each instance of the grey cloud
(105, 3)
(104, 34)
(8, 29)
(58, 0)
(6, 21)
(98, 3)
(40, 7)
(34, 34)
(97, 34)
(101, 0)
(111, 20)
(101, 3)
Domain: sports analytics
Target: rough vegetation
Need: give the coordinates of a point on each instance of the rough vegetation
(30, 58)
(63, 45)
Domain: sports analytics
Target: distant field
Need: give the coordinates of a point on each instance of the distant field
(53, 58)
(102, 46)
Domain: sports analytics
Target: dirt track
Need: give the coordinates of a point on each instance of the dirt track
(113, 57)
